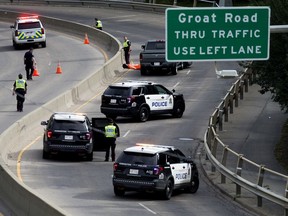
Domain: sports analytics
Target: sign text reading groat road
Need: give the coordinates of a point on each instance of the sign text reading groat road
(217, 34)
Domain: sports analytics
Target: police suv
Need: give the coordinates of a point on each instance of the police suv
(154, 168)
(139, 99)
(28, 30)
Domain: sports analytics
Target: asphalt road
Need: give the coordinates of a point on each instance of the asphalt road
(83, 188)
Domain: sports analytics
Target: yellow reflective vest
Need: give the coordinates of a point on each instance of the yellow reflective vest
(20, 84)
(110, 131)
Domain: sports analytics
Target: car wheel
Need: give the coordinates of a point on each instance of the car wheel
(143, 114)
(174, 70)
(167, 193)
(43, 44)
(89, 157)
(178, 110)
(143, 71)
(119, 192)
(194, 185)
(45, 154)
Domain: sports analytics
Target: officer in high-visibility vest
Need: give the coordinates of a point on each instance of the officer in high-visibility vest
(98, 24)
(111, 133)
(20, 89)
(127, 49)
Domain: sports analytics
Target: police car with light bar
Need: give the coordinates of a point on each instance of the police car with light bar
(154, 168)
(140, 99)
(28, 30)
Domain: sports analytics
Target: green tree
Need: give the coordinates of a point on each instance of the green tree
(272, 75)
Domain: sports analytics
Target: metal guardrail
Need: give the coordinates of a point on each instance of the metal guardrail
(240, 170)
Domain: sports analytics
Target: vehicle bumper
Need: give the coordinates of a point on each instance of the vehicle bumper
(130, 111)
(68, 147)
(162, 66)
(30, 41)
(138, 185)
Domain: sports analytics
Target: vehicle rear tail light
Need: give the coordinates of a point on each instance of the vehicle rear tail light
(42, 30)
(130, 99)
(16, 33)
(49, 134)
(88, 136)
(115, 166)
(157, 170)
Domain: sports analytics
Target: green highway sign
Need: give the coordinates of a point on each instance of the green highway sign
(217, 34)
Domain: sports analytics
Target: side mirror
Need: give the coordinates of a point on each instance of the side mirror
(173, 90)
(143, 46)
(44, 123)
(12, 26)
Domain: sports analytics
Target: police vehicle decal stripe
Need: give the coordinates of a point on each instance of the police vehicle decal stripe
(22, 36)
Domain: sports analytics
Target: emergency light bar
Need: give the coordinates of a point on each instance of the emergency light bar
(27, 17)
(153, 145)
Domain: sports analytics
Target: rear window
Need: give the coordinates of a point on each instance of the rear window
(137, 158)
(69, 125)
(29, 25)
(121, 91)
(155, 45)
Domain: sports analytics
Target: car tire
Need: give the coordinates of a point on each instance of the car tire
(167, 193)
(119, 192)
(194, 185)
(143, 114)
(178, 109)
(174, 70)
(45, 155)
(143, 71)
(43, 44)
(89, 157)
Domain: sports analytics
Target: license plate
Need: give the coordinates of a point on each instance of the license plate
(68, 137)
(156, 63)
(134, 171)
(113, 101)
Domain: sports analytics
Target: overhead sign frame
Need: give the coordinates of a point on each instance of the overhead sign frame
(217, 34)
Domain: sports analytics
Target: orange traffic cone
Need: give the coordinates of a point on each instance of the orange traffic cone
(58, 70)
(86, 40)
(35, 72)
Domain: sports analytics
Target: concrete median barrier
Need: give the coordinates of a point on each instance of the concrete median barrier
(16, 195)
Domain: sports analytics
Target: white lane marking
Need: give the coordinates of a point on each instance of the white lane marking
(119, 17)
(188, 72)
(147, 208)
(126, 133)
(176, 85)
(186, 139)
(122, 32)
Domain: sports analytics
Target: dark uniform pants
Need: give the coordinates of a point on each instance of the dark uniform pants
(110, 144)
(29, 71)
(20, 99)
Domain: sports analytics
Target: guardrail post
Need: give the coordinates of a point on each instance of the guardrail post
(260, 183)
(239, 172)
(286, 195)
(214, 150)
(236, 96)
(231, 97)
(246, 84)
(226, 103)
(224, 160)
(220, 119)
(241, 90)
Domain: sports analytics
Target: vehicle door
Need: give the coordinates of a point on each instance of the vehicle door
(178, 169)
(157, 98)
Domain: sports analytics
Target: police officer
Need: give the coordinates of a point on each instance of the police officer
(29, 63)
(98, 24)
(20, 89)
(127, 49)
(111, 133)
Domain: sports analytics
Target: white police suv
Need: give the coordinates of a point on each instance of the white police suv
(28, 30)
(140, 99)
(155, 168)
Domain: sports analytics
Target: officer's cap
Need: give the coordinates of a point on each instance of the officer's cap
(20, 76)
(110, 120)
